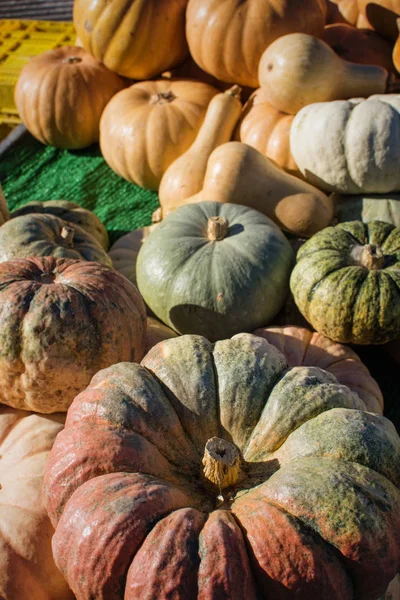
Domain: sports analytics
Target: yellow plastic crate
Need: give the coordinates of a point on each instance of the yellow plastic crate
(19, 41)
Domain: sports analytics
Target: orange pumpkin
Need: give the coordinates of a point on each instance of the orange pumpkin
(150, 124)
(135, 38)
(61, 94)
(228, 38)
(267, 129)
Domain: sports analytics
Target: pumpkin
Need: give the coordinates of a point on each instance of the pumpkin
(243, 478)
(373, 207)
(61, 94)
(48, 235)
(194, 275)
(342, 11)
(362, 46)
(134, 38)
(150, 124)
(157, 332)
(228, 40)
(124, 251)
(302, 347)
(267, 129)
(4, 214)
(27, 568)
(396, 49)
(349, 147)
(61, 321)
(299, 69)
(67, 211)
(237, 173)
(345, 282)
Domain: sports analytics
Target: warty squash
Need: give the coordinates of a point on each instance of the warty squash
(242, 478)
(138, 39)
(27, 569)
(228, 38)
(61, 321)
(239, 174)
(300, 69)
(185, 176)
(61, 94)
(346, 282)
(149, 125)
(349, 147)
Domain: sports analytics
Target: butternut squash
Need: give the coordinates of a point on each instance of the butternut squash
(239, 174)
(300, 69)
(185, 176)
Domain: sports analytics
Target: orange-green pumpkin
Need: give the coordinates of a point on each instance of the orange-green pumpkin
(27, 569)
(297, 497)
(346, 282)
(215, 269)
(60, 322)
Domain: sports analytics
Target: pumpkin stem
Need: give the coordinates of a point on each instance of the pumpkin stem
(372, 257)
(67, 235)
(217, 228)
(234, 91)
(73, 59)
(162, 98)
(157, 215)
(221, 463)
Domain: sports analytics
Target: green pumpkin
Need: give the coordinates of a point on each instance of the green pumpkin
(215, 269)
(375, 207)
(346, 282)
(47, 235)
(70, 212)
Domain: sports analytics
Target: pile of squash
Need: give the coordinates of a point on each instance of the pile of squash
(185, 414)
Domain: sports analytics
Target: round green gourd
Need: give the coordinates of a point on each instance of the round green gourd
(346, 282)
(215, 269)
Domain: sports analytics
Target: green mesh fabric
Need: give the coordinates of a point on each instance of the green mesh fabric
(30, 171)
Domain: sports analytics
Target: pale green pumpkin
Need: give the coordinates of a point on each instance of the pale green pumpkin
(215, 269)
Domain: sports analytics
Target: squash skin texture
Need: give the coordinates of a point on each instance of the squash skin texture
(27, 568)
(61, 321)
(349, 147)
(245, 291)
(135, 38)
(228, 38)
(288, 534)
(342, 299)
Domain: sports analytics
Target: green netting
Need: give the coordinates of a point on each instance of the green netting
(30, 171)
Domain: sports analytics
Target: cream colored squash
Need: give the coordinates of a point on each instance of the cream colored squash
(147, 126)
(350, 147)
(185, 176)
(27, 569)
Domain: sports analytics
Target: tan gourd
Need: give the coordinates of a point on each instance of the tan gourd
(239, 174)
(299, 69)
(185, 176)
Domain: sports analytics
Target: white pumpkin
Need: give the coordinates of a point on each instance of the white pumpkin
(349, 146)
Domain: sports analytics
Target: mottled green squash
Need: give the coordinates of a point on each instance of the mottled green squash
(215, 269)
(68, 211)
(346, 282)
(373, 207)
(137, 491)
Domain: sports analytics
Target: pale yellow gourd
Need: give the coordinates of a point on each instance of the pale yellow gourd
(240, 174)
(300, 69)
(185, 176)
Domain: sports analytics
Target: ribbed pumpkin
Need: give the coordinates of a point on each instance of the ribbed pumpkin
(241, 479)
(196, 277)
(349, 147)
(372, 207)
(346, 282)
(149, 125)
(27, 569)
(61, 94)
(60, 322)
(227, 39)
(267, 129)
(304, 348)
(4, 214)
(48, 235)
(138, 39)
(67, 211)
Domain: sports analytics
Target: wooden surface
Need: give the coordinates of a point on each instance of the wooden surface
(43, 10)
